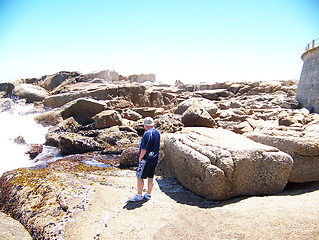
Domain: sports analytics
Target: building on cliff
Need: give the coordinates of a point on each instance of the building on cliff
(308, 86)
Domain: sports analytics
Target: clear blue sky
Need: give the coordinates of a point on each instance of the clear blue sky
(189, 40)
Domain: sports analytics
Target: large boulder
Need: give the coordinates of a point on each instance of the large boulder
(129, 92)
(68, 125)
(197, 116)
(208, 105)
(219, 164)
(107, 118)
(32, 93)
(58, 100)
(129, 157)
(82, 110)
(51, 117)
(169, 123)
(303, 148)
(52, 81)
(156, 99)
(72, 143)
(133, 93)
(130, 114)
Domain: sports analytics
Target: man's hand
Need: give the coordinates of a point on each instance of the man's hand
(142, 154)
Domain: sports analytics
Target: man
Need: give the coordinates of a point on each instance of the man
(147, 159)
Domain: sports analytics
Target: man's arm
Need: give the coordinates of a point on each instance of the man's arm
(142, 154)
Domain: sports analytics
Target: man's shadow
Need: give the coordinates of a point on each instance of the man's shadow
(134, 205)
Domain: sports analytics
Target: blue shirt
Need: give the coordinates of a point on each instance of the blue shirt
(151, 143)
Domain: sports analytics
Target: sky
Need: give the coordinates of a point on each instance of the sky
(189, 40)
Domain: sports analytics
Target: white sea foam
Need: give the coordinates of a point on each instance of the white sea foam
(18, 121)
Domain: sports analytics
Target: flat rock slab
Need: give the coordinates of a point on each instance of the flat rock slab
(177, 213)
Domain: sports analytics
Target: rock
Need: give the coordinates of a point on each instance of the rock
(136, 94)
(169, 99)
(142, 78)
(197, 116)
(19, 140)
(45, 200)
(31, 93)
(11, 229)
(208, 105)
(7, 88)
(216, 94)
(116, 104)
(303, 150)
(82, 110)
(58, 100)
(129, 157)
(287, 121)
(72, 143)
(5, 104)
(130, 114)
(149, 111)
(105, 75)
(219, 164)
(52, 139)
(82, 200)
(129, 92)
(68, 125)
(119, 136)
(234, 88)
(52, 117)
(34, 150)
(107, 118)
(290, 103)
(235, 104)
(257, 124)
(243, 127)
(156, 99)
(312, 127)
(169, 123)
(50, 82)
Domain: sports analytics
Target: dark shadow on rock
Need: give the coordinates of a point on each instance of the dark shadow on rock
(176, 191)
(299, 188)
(134, 205)
(172, 188)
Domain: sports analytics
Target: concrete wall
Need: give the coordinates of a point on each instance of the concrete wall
(308, 87)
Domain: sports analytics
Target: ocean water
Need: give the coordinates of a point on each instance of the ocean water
(18, 121)
(14, 122)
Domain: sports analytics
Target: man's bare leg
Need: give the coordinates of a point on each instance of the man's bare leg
(140, 185)
(150, 185)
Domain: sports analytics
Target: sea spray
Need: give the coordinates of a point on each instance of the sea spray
(15, 122)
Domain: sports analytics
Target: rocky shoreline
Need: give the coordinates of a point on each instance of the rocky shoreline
(207, 126)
